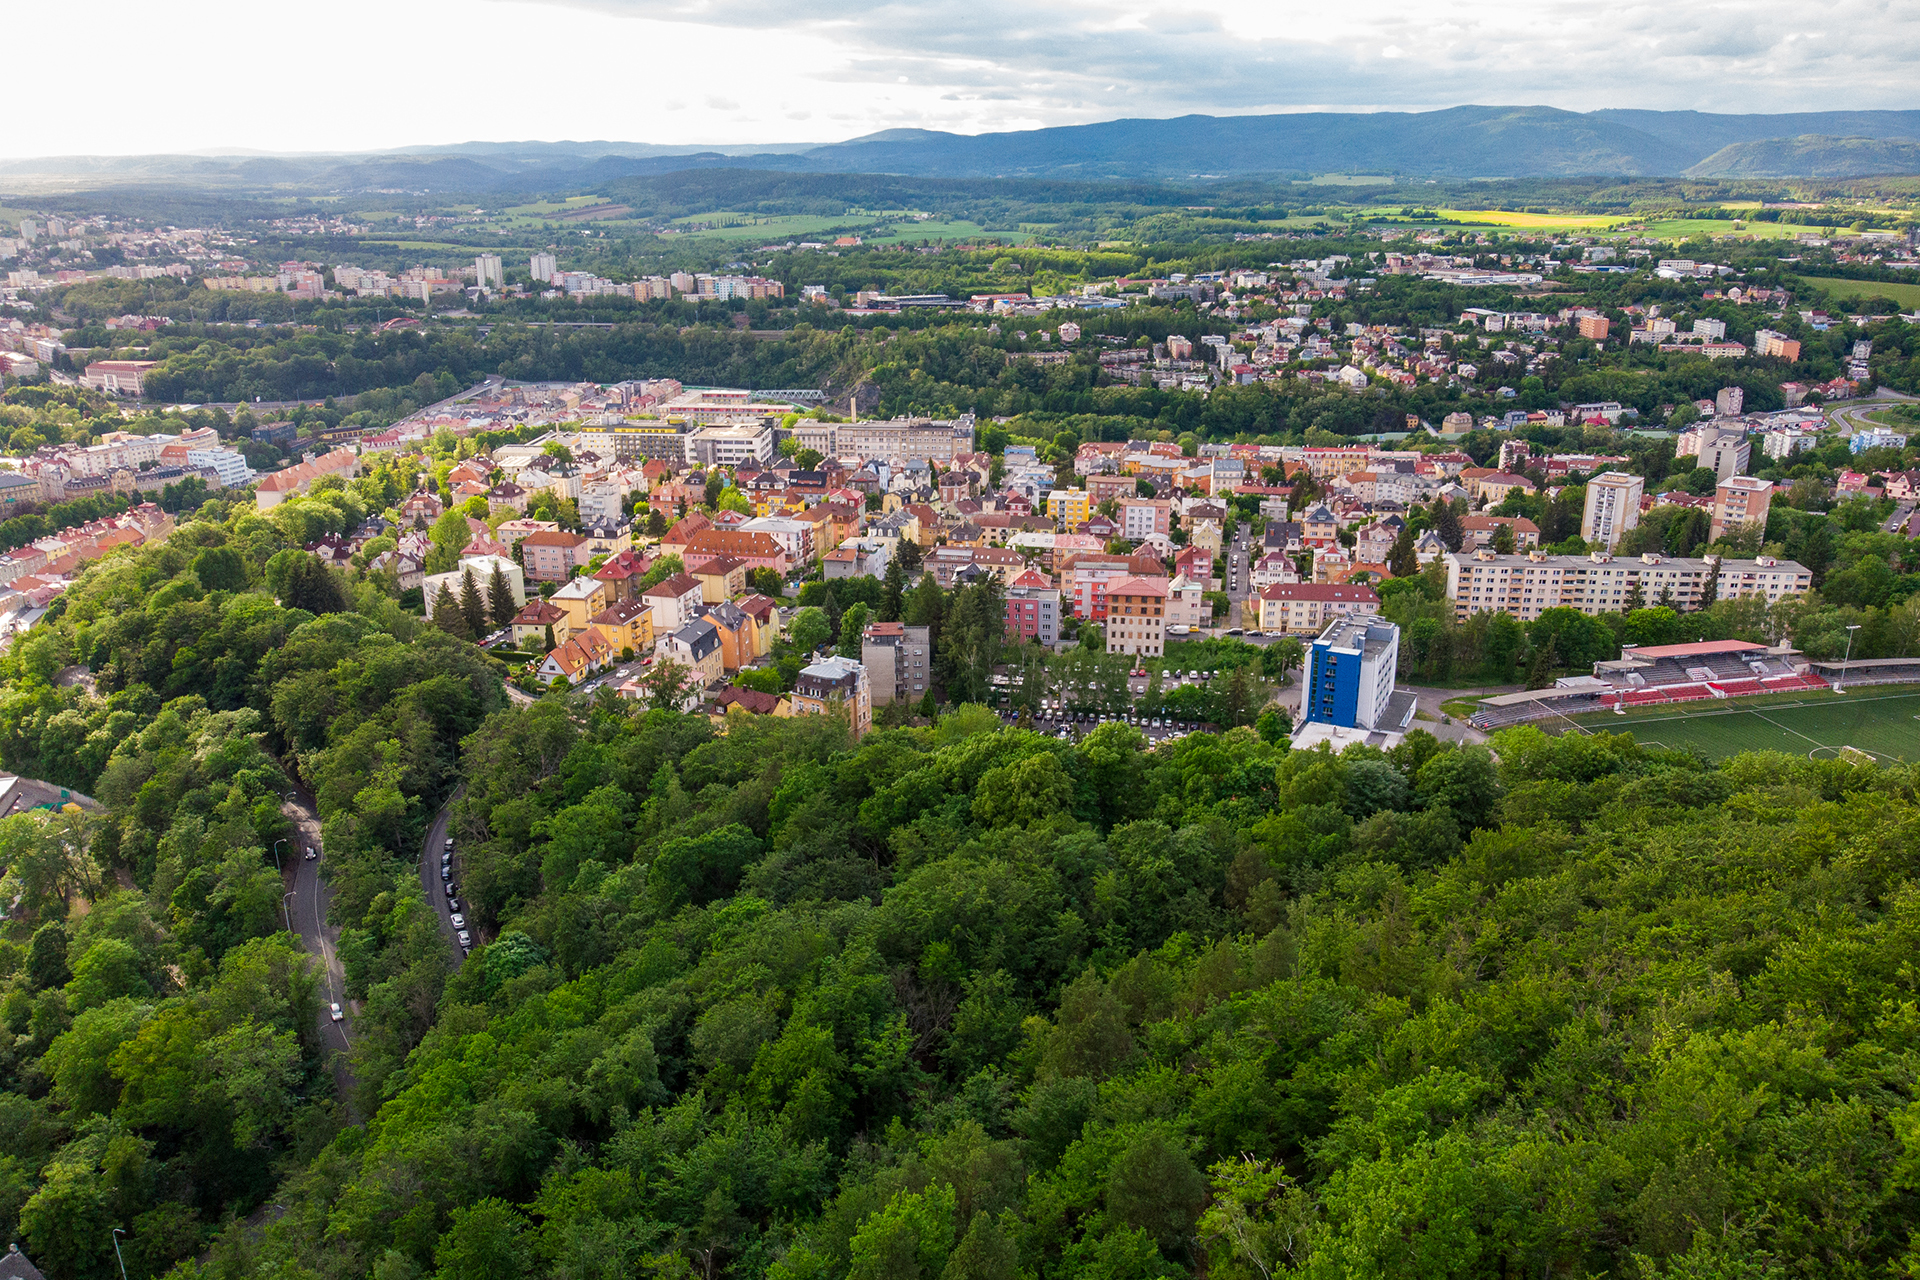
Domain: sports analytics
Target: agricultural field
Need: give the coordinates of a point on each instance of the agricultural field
(1540, 221)
(1686, 228)
(1907, 295)
(1883, 722)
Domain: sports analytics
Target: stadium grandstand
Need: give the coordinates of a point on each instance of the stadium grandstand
(1651, 675)
(1870, 671)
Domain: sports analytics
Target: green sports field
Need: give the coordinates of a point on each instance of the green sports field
(1884, 723)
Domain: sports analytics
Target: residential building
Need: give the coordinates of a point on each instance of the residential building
(1728, 401)
(1479, 531)
(1033, 608)
(898, 660)
(531, 624)
(1524, 586)
(1594, 328)
(627, 625)
(118, 377)
(695, 646)
(1777, 345)
(553, 555)
(664, 439)
(720, 578)
(1613, 507)
(1186, 604)
(278, 486)
(1739, 500)
(834, 685)
(542, 267)
(623, 573)
(1069, 506)
(674, 601)
(730, 445)
(1727, 454)
(1137, 617)
(753, 549)
(580, 656)
(1141, 518)
(488, 272)
(581, 599)
(1305, 608)
(1350, 671)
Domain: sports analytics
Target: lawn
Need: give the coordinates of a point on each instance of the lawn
(1907, 295)
(1884, 722)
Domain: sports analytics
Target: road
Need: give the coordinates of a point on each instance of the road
(430, 881)
(305, 907)
(1238, 580)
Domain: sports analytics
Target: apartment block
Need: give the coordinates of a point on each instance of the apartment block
(1305, 608)
(1137, 617)
(899, 662)
(1613, 507)
(1739, 500)
(833, 684)
(1525, 586)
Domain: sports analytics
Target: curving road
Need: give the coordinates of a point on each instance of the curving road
(305, 907)
(430, 878)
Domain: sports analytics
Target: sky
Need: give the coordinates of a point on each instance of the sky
(218, 75)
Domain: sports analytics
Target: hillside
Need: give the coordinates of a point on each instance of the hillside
(1811, 156)
(954, 1002)
(1459, 142)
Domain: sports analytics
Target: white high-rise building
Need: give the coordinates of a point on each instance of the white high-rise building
(487, 271)
(544, 266)
(1613, 507)
(29, 230)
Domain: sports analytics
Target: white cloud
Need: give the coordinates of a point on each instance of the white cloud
(217, 74)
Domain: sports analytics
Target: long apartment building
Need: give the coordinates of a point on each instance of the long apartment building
(1526, 585)
(892, 439)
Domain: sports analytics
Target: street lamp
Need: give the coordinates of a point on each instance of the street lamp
(276, 852)
(1845, 662)
(117, 1233)
(284, 911)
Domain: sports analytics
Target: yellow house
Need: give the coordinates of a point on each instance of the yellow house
(1070, 505)
(580, 600)
(627, 624)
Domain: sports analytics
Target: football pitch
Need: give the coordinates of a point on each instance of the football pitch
(1885, 726)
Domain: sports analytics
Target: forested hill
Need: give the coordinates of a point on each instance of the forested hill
(959, 1001)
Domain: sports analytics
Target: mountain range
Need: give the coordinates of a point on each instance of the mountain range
(1459, 142)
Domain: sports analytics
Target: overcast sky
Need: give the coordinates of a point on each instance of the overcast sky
(217, 74)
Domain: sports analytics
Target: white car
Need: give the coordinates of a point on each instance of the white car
(459, 921)
(466, 939)
(334, 1011)
(312, 853)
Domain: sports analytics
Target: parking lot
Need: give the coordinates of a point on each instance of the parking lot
(1070, 726)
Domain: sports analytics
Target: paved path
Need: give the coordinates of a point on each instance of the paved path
(305, 907)
(431, 883)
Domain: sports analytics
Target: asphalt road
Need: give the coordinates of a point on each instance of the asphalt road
(430, 880)
(305, 907)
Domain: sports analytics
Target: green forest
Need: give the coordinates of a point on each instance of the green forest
(957, 1001)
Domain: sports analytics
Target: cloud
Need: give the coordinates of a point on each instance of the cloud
(730, 71)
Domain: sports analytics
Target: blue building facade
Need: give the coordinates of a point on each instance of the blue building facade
(1350, 672)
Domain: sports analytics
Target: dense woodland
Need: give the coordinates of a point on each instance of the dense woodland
(952, 1001)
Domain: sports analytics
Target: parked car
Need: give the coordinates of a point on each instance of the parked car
(459, 921)
(453, 891)
(333, 1011)
(312, 853)
(453, 904)
(446, 872)
(466, 939)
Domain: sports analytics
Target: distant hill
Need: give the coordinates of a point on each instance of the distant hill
(1811, 155)
(1459, 142)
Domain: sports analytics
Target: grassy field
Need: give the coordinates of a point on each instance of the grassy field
(1884, 722)
(1684, 228)
(1907, 295)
